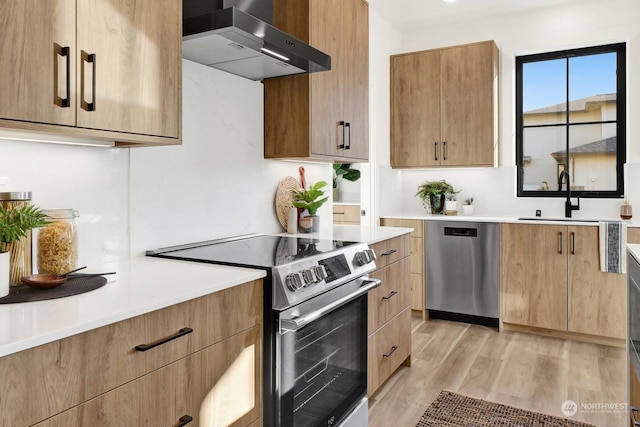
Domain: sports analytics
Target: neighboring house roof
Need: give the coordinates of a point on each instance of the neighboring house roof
(603, 146)
(577, 105)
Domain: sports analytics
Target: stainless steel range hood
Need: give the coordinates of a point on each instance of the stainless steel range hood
(237, 36)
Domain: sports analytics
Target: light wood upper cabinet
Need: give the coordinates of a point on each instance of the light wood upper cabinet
(137, 69)
(444, 107)
(34, 65)
(322, 116)
(551, 279)
(107, 70)
(534, 275)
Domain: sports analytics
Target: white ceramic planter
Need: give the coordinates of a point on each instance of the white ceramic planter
(468, 209)
(451, 206)
(4, 273)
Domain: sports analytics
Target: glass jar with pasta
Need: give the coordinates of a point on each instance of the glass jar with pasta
(58, 242)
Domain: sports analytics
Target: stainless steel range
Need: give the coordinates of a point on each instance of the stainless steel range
(315, 323)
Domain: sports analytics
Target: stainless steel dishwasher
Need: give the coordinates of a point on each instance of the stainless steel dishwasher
(463, 271)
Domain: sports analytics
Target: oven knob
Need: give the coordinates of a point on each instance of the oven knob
(321, 272)
(309, 277)
(371, 254)
(294, 281)
(365, 257)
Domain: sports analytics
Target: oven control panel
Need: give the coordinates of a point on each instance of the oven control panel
(307, 277)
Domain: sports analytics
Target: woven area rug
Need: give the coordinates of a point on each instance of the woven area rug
(455, 410)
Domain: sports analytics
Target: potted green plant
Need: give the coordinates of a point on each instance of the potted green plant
(433, 194)
(468, 207)
(451, 204)
(343, 171)
(310, 200)
(14, 224)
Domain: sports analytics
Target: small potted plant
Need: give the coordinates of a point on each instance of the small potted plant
(310, 200)
(451, 204)
(343, 171)
(468, 207)
(14, 224)
(433, 195)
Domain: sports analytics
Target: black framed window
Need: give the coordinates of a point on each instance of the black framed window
(570, 115)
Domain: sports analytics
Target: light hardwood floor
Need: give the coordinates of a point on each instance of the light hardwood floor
(522, 370)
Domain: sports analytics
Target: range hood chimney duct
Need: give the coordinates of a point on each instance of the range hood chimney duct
(238, 36)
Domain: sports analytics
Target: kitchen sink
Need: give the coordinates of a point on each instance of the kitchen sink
(539, 218)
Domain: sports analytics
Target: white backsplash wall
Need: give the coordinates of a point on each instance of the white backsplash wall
(93, 181)
(217, 184)
(563, 26)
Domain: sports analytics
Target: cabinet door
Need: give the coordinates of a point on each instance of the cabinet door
(415, 110)
(392, 297)
(534, 275)
(355, 57)
(34, 66)
(136, 65)
(597, 300)
(217, 386)
(326, 33)
(467, 76)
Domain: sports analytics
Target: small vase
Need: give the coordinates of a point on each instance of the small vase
(315, 221)
(451, 207)
(4, 273)
(437, 204)
(468, 209)
(305, 225)
(336, 194)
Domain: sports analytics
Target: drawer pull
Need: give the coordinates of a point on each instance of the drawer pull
(184, 420)
(182, 332)
(391, 252)
(634, 410)
(393, 350)
(390, 295)
(89, 59)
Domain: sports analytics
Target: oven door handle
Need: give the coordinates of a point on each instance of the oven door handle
(303, 320)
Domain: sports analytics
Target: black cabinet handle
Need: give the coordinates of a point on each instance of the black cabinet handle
(573, 243)
(182, 332)
(560, 242)
(184, 420)
(634, 411)
(393, 349)
(65, 52)
(348, 126)
(391, 252)
(444, 150)
(90, 59)
(342, 123)
(435, 148)
(390, 295)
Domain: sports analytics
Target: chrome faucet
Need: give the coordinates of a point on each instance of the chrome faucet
(568, 206)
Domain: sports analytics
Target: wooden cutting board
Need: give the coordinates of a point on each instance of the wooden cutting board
(284, 198)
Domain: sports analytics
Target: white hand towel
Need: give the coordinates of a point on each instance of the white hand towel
(612, 245)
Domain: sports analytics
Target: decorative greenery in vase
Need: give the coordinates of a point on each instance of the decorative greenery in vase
(433, 194)
(343, 171)
(14, 223)
(310, 199)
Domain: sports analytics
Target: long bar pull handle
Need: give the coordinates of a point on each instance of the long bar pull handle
(348, 126)
(90, 59)
(182, 332)
(390, 252)
(65, 52)
(572, 247)
(390, 295)
(342, 123)
(560, 242)
(393, 350)
(435, 148)
(444, 150)
(634, 411)
(184, 420)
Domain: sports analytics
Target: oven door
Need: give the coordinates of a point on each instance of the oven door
(321, 357)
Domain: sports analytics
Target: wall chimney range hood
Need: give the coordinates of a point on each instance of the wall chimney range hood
(237, 36)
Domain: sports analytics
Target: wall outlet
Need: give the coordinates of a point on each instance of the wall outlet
(538, 212)
(5, 183)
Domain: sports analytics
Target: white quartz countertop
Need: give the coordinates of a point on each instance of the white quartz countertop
(140, 286)
(515, 220)
(356, 233)
(634, 250)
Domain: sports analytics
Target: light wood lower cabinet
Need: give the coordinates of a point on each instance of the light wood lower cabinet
(551, 279)
(346, 214)
(633, 235)
(389, 321)
(417, 259)
(217, 386)
(46, 380)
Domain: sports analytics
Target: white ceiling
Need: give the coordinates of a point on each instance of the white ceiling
(407, 15)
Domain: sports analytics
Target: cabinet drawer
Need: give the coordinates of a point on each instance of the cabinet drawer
(219, 385)
(388, 348)
(391, 250)
(45, 380)
(392, 297)
(346, 214)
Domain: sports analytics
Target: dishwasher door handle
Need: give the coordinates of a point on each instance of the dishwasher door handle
(460, 232)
